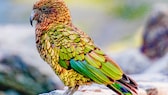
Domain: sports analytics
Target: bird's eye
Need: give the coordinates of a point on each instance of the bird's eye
(45, 10)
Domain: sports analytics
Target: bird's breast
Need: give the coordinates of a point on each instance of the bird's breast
(51, 54)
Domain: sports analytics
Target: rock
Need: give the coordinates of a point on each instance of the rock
(19, 78)
(149, 84)
(146, 88)
(93, 89)
(154, 88)
(152, 83)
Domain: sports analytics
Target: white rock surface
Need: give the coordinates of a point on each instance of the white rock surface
(146, 89)
(93, 89)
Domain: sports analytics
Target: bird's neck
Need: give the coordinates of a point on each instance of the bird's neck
(54, 20)
(48, 23)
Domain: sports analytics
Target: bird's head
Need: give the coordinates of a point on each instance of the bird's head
(50, 11)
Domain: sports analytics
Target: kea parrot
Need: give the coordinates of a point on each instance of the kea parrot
(71, 52)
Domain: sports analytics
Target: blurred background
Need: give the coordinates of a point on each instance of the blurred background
(119, 27)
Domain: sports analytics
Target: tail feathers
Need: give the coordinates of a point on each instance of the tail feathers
(128, 83)
(120, 90)
(124, 86)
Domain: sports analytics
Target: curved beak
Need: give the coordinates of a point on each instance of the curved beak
(32, 17)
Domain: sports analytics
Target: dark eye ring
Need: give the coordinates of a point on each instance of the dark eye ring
(45, 9)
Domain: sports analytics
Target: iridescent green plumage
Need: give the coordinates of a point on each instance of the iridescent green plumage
(72, 54)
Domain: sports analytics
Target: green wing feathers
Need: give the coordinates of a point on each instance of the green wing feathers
(108, 68)
(95, 66)
(104, 71)
(78, 52)
(89, 71)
